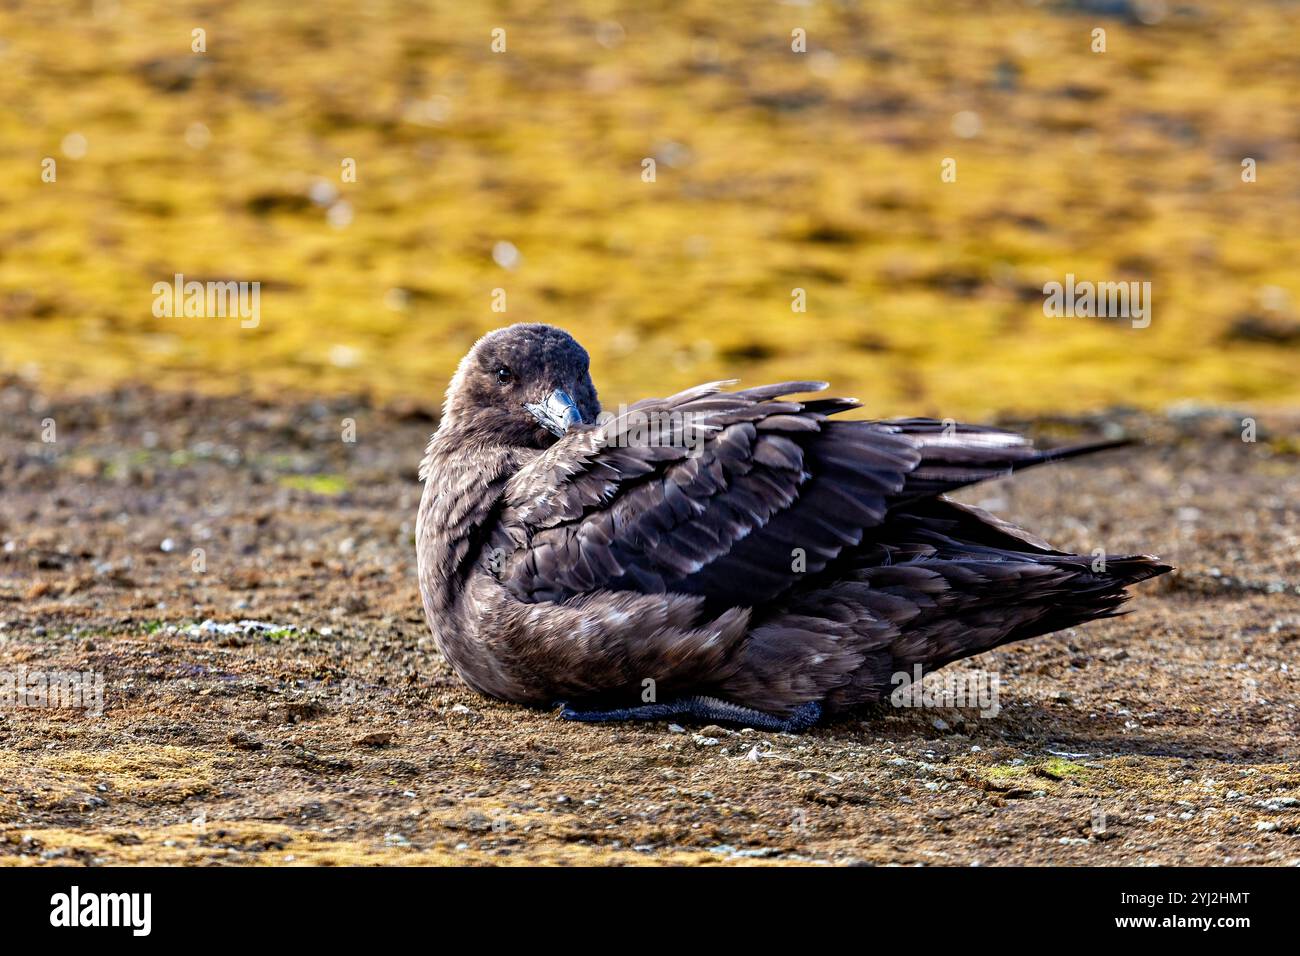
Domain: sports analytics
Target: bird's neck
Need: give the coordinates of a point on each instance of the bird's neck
(462, 486)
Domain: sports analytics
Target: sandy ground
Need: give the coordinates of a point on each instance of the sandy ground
(337, 734)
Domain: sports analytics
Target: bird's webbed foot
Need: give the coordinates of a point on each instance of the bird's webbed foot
(706, 709)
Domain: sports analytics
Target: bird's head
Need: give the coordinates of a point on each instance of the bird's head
(522, 386)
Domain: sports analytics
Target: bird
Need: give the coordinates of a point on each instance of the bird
(725, 556)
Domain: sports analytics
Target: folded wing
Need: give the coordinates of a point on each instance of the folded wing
(736, 496)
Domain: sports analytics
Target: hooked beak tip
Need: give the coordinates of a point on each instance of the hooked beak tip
(557, 414)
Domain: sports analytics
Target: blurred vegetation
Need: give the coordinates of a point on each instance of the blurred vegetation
(775, 170)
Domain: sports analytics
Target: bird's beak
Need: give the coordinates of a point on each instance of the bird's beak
(557, 414)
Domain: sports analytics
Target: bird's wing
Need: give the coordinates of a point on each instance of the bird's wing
(735, 496)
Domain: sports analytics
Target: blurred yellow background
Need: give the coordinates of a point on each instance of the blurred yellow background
(775, 170)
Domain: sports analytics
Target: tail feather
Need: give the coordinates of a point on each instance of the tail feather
(943, 581)
(954, 455)
(934, 582)
(1073, 451)
(1124, 571)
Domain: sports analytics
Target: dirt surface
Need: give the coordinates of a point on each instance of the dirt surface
(336, 733)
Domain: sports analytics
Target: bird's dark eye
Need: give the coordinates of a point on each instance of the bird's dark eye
(504, 375)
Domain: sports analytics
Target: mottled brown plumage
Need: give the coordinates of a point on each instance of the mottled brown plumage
(741, 545)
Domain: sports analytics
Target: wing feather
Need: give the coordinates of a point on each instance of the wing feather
(732, 495)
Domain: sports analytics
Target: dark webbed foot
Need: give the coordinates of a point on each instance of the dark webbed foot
(709, 709)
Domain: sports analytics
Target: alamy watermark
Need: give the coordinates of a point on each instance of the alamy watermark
(52, 690)
(211, 299)
(75, 908)
(1103, 300)
(974, 689)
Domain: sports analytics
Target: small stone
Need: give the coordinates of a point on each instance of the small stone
(1279, 803)
(244, 741)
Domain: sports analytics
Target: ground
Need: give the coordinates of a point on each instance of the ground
(390, 182)
(335, 733)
